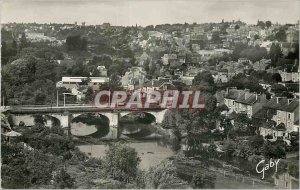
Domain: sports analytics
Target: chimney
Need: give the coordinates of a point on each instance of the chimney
(277, 100)
(255, 96)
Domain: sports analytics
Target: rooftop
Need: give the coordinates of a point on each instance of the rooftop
(283, 104)
(79, 79)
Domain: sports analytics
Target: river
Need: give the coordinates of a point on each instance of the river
(150, 152)
(152, 149)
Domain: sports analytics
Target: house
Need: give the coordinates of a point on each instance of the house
(205, 55)
(290, 72)
(223, 76)
(162, 83)
(167, 58)
(226, 44)
(143, 58)
(261, 65)
(39, 37)
(244, 60)
(188, 80)
(267, 45)
(133, 78)
(192, 70)
(155, 34)
(102, 70)
(242, 101)
(279, 117)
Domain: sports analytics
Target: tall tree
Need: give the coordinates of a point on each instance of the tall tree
(121, 162)
(275, 53)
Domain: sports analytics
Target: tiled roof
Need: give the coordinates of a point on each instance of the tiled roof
(282, 104)
(264, 113)
(241, 96)
(233, 94)
(247, 98)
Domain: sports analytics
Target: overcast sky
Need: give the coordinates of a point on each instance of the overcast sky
(146, 12)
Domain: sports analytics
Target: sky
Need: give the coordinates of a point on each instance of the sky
(148, 12)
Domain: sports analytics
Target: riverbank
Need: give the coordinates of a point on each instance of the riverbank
(150, 152)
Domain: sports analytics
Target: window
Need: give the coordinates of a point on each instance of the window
(289, 116)
(233, 103)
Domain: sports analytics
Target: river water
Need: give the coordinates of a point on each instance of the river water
(150, 152)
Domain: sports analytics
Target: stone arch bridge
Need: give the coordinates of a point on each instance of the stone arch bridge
(65, 115)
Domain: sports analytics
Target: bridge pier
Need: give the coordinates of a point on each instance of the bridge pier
(113, 118)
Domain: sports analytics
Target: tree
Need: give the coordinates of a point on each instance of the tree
(277, 77)
(89, 95)
(216, 38)
(76, 42)
(63, 180)
(236, 27)
(275, 53)
(114, 82)
(256, 37)
(261, 24)
(256, 142)
(268, 24)
(237, 50)
(40, 98)
(281, 35)
(23, 168)
(205, 80)
(163, 176)
(121, 167)
(203, 181)
(23, 41)
(241, 81)
(229, 148)
(274, 150)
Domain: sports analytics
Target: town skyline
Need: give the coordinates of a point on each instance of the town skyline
(129, 13)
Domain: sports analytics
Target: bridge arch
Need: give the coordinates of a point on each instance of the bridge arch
(159, 115)
(89, 124)
(30, 120)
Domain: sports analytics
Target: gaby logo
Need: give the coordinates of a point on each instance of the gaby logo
(142, 100)
(262, 166)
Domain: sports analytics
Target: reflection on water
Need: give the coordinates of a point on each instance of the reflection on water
(82, 129)
(90, 125)
(151, 153)
(137, 125)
